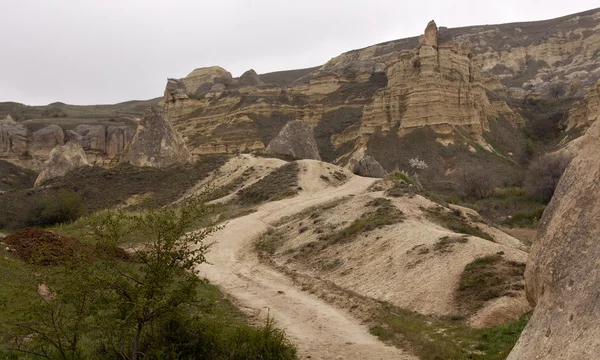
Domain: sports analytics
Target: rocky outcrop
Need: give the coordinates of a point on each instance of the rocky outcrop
(46, 139)
(296, 140)
(62, 159)
(249, 78)
(588, 110)
(156, 143)
(13, 138)
(101, 142)
(562, 279)
(202, 79)
(368, 167)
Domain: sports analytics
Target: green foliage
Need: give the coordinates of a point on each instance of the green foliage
(399, 176)
(431, 338)
(279, 184)
(269, 242)
(385, 214)
(488, 278)
(454, 221)
(50, 210)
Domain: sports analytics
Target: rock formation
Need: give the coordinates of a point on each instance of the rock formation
(202, 79)
(250, 78)
(368, 167)
(587, 111)
(296, 140)
(62, 159)
(156, 143)
(562, 279)
(46, 139)
(13, 138)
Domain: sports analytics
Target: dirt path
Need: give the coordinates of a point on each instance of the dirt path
(320, 331)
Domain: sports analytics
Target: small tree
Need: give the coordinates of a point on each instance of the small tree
(164, 276)
(118, 302)
(417, 166)
(475, 183)
(543, 175)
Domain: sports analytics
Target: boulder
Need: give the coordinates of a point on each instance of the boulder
(13, 138)
(156, 143)
(368, 167)
(250, 78)
(45, 140)
(562, 279)
(296, 139)
(117, 138)
(62, 159)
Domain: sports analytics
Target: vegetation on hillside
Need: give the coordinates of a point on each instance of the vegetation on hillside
(149, 304)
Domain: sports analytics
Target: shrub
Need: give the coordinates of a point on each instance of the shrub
(474, 183)
(543, 175)
(50, 210)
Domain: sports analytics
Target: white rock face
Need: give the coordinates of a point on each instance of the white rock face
(62, 159)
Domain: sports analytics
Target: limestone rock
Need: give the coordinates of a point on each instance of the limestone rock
(250, 78)
(296, 139)
(46, 139)
(156, 143)
(93, 137)
(368, 167)
(117, 138)
(62, 159)
(13, 138)
(562, 278)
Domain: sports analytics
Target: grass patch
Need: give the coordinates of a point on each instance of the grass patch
(269, 242)
(279, 184)
(107, 188)
(488, 278)
(385, 214)
(454, 221)
(446, 243)
(510, 206)
(399, 176)
(431, 338)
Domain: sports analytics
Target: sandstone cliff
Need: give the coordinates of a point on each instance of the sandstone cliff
(562, 278)
(587, 111)
(156, 143)
(346, 102)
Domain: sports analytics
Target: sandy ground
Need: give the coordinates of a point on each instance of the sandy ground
(320, 330)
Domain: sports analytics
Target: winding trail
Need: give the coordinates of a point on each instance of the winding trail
(320, 330)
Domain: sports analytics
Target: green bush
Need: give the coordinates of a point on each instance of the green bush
(50, 210)
(543, 175)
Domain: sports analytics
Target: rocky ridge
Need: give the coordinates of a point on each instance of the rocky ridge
(561, 278)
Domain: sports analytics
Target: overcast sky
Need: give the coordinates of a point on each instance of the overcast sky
(107, 51)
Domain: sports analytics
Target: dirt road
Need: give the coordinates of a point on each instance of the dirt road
(320, 331)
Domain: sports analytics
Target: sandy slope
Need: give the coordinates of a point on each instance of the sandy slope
(320, 331)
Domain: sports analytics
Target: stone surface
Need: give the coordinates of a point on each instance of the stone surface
(46, 139)
(296, 140)
(250, 78)
(13, 138)
(156, 143)
(62, 159)
(562, 278)
(588, 110)
(203, 79)
(368, 167)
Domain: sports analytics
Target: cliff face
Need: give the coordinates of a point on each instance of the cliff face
(345, 102)
(562, 278)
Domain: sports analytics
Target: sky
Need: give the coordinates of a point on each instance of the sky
(108, 51)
